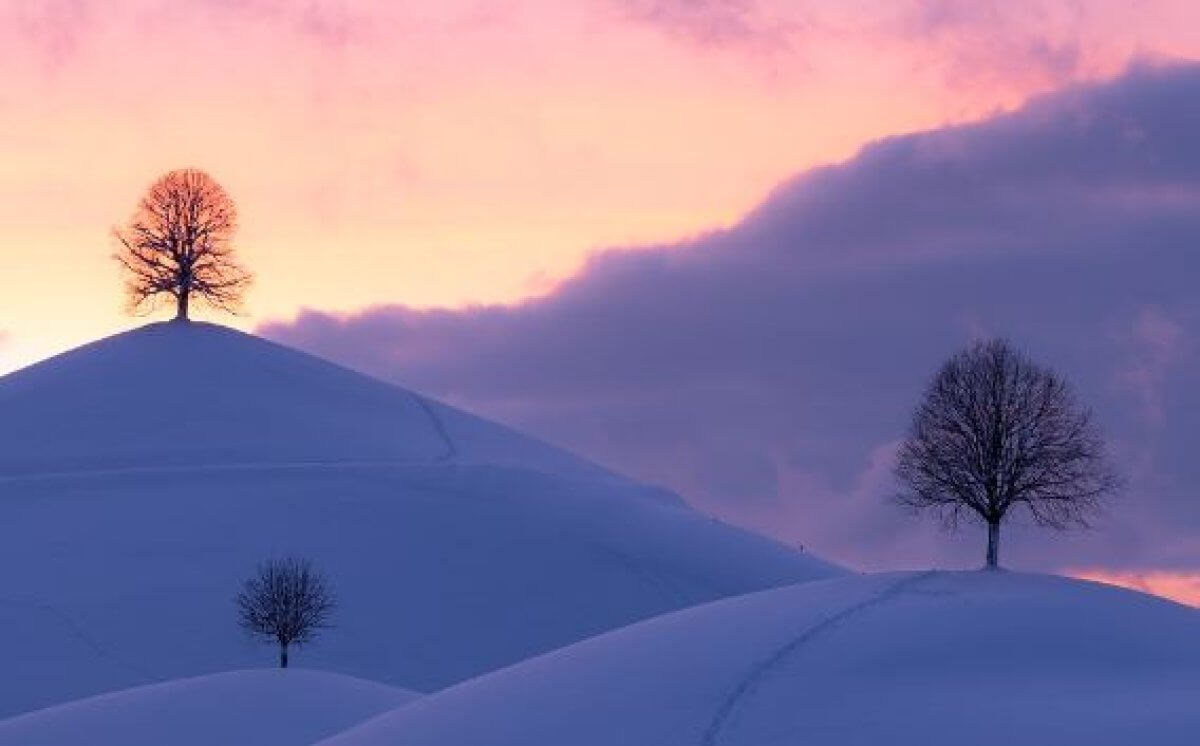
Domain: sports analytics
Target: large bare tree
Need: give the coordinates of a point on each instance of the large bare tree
(287, 602)
(996, 431)
(178, 244)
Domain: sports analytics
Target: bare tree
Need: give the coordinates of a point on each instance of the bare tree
(287, 601)
(996, 431)
(178, 244)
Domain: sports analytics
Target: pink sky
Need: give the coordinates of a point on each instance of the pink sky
(464, 152)
(459, 152)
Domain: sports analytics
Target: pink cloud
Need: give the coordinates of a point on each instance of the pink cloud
(724, 23)
(53, 28)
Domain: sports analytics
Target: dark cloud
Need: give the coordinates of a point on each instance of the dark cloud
(767, 371)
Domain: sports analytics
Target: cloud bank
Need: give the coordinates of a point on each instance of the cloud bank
(767, 371)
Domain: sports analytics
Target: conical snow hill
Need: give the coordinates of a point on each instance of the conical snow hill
(199, 395)
(143, 476)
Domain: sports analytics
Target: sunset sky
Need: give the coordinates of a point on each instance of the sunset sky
(648, 230)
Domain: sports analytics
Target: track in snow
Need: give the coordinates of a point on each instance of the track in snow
(79, 633)
(746, 687)
(451, 449)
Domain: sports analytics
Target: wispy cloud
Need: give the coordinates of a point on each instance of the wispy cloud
(1037, 38)
(332, 22)
(54, 29)
(1155, 341)
(722, 23)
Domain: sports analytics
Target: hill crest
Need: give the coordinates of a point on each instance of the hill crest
(175, 395)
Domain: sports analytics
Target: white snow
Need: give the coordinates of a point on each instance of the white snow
(142, 478)
(264, 707)
(937, 659)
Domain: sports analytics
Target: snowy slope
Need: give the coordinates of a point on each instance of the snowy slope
(144, 476)
(262, 707)
(937, 659)
(187, 395)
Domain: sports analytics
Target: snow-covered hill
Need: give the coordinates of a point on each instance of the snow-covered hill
(262, 707)
(188, 395)
(938, 659)
(142, 477)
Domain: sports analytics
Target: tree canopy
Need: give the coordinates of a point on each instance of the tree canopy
(178, 244)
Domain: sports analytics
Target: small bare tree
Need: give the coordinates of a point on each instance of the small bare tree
(178, 244)
(287, 601)
(996, 431)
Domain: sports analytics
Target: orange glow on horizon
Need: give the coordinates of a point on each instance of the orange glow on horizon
(1183, 587)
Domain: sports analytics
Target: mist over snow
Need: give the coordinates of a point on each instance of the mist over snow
(765, 372)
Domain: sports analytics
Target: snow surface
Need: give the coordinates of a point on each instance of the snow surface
(937, 659)
(142, 478)
(195, 394)
(264, 707)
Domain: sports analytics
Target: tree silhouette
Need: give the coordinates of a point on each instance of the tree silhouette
(996, 431)
(178, 244)
(287, 602)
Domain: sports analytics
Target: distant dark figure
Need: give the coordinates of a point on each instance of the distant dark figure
(995, 431)
(178, 244)
(287, 602)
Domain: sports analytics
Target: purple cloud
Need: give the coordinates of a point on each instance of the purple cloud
(982, 36)
(767, 371)
(1156, 341)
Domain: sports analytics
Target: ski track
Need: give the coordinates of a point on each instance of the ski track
(677, 592)
(78, 632)
(451, 449)
(746, 687)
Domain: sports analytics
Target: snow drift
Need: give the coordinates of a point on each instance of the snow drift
(985, 658)
(142, 477)
(260, 707)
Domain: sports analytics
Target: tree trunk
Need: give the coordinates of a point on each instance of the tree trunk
(993, 549)
(181, 305)
(283, 655)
